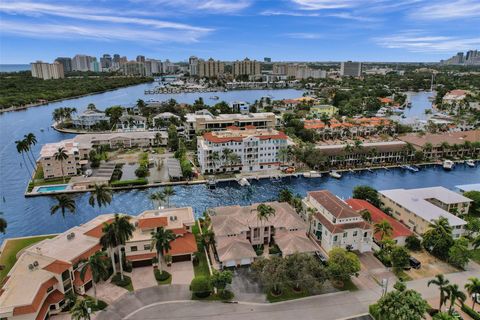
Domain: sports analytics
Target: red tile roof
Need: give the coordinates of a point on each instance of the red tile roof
(333, 204)
(78, 282)
(58, 266)
(97, 231)
(149, 223)
(212, 137)
(54, 297)
(183, 245)
(142, 256)
(399, 230)
(39, 296)
(340, 228)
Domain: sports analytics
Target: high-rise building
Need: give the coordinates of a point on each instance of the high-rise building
(46, 70)
(106, 62)
(81, 62)
(267, 60)
(153, 66)
(193, 65)
(66, 62)
(140, 59)
(279, 68)
(246, 67)
(210, 68)
(133, 68)
(298, 71)
(351, 69)
(116, 58)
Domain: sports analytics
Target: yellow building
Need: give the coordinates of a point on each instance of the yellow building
(326, 109)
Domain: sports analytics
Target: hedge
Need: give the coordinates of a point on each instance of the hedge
(124, 183)
(472, 313)
(161, 276)
(201, 287)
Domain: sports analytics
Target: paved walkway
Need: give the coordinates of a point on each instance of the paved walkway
(182, 272)
(143, 278)
(108, 292)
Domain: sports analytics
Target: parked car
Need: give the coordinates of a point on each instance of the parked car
(414, 263)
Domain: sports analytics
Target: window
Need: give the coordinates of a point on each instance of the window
(355, 233)
(66, 275)
(266, 229)
(365, 234)
(345, 234)
(146, 247)
(133, 248)
(335, 238)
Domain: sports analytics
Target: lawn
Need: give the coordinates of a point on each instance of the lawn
(287, 294)
(8, 256)
(201, 269)
(476, 255)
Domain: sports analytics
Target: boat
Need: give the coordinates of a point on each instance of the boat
(335, 174)
(448, 164)
(312, 174)
(243, 182)
(470, 163)
(214, 97)
(211, 183)
(275, 179)
(411, 168)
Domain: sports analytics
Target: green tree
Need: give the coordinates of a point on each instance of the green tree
(169, 192)
(400, 257)
(63, 204)
(61, 155)
(161, 242)
(473, 288)
(30, 140)
(367, 193)
(272, 273)
(208, 238)
(123, 231)
(172, 138)
(101, 195)
(285, 195)
(438, 238)
(157, 198)
(305, 271)
(22, 148)
(442, 283)
(384, 228)
(109, 241)
(96, 264)
(401, 304)
(342, 265)
(475, 204)
(413, 243)
(201, 286)
(264, 212)
(114, 113)
(220, 279)
(82, 310)
(459, 254)
(454, 295)
(3, 224)
(366, 215)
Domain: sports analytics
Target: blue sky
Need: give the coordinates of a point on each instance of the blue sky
(285, 30)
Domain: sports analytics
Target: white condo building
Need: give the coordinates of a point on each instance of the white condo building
(46, 70)
(255, 149)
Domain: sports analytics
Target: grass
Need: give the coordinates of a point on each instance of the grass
(476, 255)
(402, 275)
(349, 285)
(168, 281)
(201, 269)
(287, 294)
(8, 256)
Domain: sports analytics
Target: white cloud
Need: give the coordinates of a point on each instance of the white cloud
(304, 35)
(325, 4)
(288, 13)
(418, 41)
(208, 6)
(456, 9)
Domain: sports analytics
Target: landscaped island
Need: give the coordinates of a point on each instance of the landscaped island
(20, 89)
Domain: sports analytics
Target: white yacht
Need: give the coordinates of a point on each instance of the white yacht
(470, 163)
(243, 182)
(312, 174)
(448, 164)
(335, 174)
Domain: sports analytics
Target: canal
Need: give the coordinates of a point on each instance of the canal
(32, 216)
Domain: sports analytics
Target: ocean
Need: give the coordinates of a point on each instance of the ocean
(14, 67)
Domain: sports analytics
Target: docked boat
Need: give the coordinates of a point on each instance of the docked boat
(243, 182)
(214, 97)
(335, 174)
(470, 163)
(312, 174)
(448, 164)
(211, 183)
(276, 179)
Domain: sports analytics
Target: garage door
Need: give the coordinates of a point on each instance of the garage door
(185, 257)
(230, 263)
(245, 261)
(88, 285)
(142, 263)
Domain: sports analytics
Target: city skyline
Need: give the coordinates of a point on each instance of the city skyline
(291, 30)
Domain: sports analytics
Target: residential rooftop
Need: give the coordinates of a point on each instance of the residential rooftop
(437, 139)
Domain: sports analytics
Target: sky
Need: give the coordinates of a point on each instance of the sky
(285, 30)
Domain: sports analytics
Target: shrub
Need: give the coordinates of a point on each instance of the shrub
(201, 287)
(226, 295)
(373, 310)
(125, 183)
(259, 249)
(161, 276)
(472, 313)
(413, 243)
(117, 280)
(127, 266)
(274, 250)
(141, 172)
(99, 306)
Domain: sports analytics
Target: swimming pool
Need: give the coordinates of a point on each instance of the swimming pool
(59, 187)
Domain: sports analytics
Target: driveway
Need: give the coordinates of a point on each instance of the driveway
(182, 272)
(108, 292)
(143, 278)
(245, 288)
(372, 273)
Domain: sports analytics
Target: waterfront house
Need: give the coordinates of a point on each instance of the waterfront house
(455, 96)
(350, 128)
(335, 223)
(237, 229)
(399, 232)
(417, 208)
(128, 123)
(90, 118)
(246, 150)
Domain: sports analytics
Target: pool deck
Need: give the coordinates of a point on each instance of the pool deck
(249, 176)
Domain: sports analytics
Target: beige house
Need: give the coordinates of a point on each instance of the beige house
(53, 168)
(417, 208)
(203, 120)
(237, 229)
(336, 224)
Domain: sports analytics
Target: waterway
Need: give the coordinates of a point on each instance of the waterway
(31, 216)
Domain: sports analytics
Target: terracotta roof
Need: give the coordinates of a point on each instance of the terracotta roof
(437, 139)
(97, 232)
(399, 230)
(31, 308)
(143, 256)
(57, 266)
(87, 253)
(333, 204)
(340, 228)
(78, 282)
(183, 245)
(386, 100)
(348, 123)
(234, 248)
(149, 223)
(179, 231)
(53, 298)
(293, 242)
(216, 137)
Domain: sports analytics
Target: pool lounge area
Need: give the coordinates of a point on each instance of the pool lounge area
(52, 188)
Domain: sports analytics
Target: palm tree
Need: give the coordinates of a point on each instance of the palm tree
(455, 294)
(264, 212)
(158, 138)
(442, 284)
(161, 241)
(97, 266)
(21, 148)
(61, 155)
(30, 140)
(157, 197)
(81, 310)
(168, 191)
(441, 225)
(215, 158)
(109, 241)
(326, 120)
(234, 159)
(208, 238)
(384, 228)
(283, 155)
(124, 231)
(473, 289)
(100, 195)
(3, 224)
(476, 242)
(357, 145)
(366, 215)
(64, 203)
(310, 213)
(226, 154)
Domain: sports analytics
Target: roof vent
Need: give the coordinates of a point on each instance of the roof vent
(35, 263)
(31, 267)
(70, 236)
